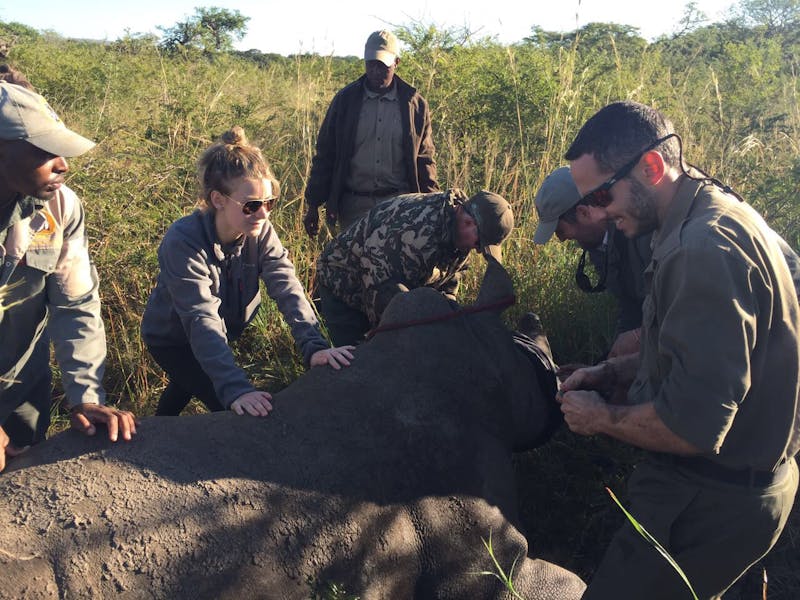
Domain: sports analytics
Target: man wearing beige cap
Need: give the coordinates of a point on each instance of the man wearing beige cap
(375, 142)
(618, 261)
(49, 286)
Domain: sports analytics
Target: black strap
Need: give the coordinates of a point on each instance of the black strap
(707, 468)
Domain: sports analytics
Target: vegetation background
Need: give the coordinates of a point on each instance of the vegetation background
(503, 117)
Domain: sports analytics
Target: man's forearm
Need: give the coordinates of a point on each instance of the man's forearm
(640, 426)
(622, 369)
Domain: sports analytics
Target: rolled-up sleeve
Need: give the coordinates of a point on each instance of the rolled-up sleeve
(707, 310)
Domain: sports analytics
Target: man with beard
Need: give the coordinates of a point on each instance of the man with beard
(375, 142)
(713, 394)
(619, 262)
(48, 284)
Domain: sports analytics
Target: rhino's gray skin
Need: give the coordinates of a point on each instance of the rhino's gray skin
(382, 478)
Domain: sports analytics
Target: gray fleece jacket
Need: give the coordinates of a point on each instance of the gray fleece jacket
(207, 293)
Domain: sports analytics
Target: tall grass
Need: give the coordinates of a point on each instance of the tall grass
(503, 117)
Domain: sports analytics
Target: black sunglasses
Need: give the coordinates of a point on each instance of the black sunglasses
(582, 279)
(601, 195)
(253, 206)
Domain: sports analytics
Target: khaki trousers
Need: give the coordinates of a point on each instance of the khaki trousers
(715, 531)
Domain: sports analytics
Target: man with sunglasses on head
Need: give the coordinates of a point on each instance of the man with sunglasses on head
(713, 395)
(618, 261)
(411, 241)
(375, 142)
(48, 285)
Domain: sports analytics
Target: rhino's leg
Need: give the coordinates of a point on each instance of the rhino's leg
(538, 579)
(531, 325)
(453, 531)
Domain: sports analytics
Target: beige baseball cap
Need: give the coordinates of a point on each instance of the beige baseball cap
(25, 115)
(383, 46)
(556, 196)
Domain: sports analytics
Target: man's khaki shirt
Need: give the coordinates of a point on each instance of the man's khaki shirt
(51, 283)
(720, 327)
(377, 162)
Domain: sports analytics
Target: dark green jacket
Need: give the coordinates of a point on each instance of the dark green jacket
(719, 355)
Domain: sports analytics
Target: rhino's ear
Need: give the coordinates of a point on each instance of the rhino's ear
(497, 286)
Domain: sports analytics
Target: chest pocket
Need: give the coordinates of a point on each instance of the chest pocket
(46, 242)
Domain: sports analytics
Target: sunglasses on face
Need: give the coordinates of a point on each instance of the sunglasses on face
(601, 195)
(250, 207)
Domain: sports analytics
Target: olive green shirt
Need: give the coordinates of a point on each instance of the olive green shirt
(719, 355)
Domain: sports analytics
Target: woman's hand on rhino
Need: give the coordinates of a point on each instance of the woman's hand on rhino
(334, 357)
(253, 403)
(85, 417)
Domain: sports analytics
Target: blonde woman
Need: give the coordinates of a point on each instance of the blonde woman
(207, 291)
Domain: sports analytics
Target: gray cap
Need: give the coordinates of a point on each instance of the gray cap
(556, 196)
(493, 216)
(25, 115)
(383, 46)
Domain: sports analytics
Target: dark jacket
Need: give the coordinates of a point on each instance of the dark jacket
(625, 261)
(335, 142)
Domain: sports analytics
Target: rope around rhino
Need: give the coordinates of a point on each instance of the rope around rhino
(504, 303)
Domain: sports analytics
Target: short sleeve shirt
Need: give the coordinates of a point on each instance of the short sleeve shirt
(720, 326)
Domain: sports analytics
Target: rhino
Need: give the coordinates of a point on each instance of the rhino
(387, 480)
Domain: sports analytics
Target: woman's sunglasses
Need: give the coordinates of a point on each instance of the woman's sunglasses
(253, 206)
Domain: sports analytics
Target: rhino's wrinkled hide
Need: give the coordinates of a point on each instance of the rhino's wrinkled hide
(382, 478)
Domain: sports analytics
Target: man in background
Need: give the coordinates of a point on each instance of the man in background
(618, 261)
(375, 142)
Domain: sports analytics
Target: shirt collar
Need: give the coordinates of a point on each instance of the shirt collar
(20, 208)
(221, 251)
(668, 235)
(391, 95)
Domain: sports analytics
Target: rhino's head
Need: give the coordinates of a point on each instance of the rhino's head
(468, 348)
